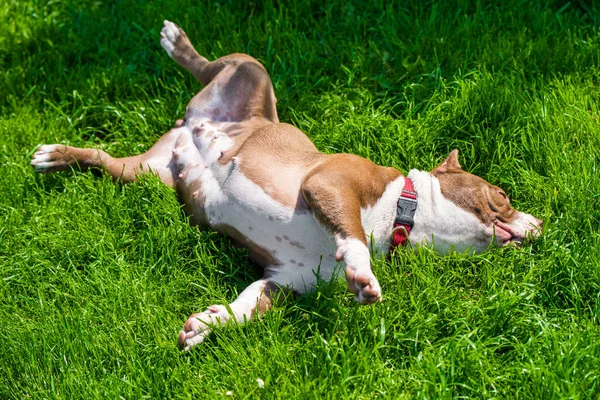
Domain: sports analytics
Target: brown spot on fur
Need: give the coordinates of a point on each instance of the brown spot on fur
(272, 293)
(259, 254)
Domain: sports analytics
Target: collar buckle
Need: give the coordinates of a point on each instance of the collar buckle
(407, 206)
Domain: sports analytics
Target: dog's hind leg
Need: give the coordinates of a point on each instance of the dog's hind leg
(159, 159)
(255, 299)
(177, 45)
(245, 86)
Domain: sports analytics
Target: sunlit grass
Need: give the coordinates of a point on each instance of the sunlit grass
(98, 278)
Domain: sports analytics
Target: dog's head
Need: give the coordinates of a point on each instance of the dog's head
(468, 212)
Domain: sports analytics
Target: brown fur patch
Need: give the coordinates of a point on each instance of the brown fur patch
(272, 294)
(241, 83)
(276, 157)
(340, 186)
(472, 193)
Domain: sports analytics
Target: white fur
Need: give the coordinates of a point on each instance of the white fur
(41, 160)
(378, 220)
(358, 265)
(524, 225)
(301, 245)
(354, 253)
(441, 223)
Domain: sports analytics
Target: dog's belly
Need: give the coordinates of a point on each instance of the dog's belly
(286, 240)
(282, 235)
(289, 242)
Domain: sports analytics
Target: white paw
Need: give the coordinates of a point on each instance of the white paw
(168, 37)
(199, 325)
(48, 157)
(364, 285)
(187, 159)
(359, 277)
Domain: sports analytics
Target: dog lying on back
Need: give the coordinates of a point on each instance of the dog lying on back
(240, 171)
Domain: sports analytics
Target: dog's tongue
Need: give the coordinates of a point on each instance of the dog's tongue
(503, 231)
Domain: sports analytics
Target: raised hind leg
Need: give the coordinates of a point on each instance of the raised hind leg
(238, 80)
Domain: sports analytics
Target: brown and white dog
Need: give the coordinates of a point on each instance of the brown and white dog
(240, 171)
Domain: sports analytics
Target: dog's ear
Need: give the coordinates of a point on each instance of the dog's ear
(449, 164)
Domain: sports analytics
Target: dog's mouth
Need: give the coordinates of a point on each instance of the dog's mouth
(505, 235)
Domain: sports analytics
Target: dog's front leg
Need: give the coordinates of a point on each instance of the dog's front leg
(256, 298)
(338, 208)
(359, 277)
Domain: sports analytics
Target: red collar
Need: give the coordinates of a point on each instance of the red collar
(407, 206)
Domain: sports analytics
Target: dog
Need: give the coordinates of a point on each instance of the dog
(299, 212)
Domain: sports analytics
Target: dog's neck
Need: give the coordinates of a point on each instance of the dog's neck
(438, 221)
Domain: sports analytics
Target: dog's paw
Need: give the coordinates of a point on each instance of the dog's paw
(168, 37)
(174, 40)
(199, 325)
(51, 158)
(364, 285)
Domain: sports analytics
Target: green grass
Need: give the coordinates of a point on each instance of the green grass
(98, 278)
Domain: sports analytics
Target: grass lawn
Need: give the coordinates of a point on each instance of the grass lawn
(97, 278)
